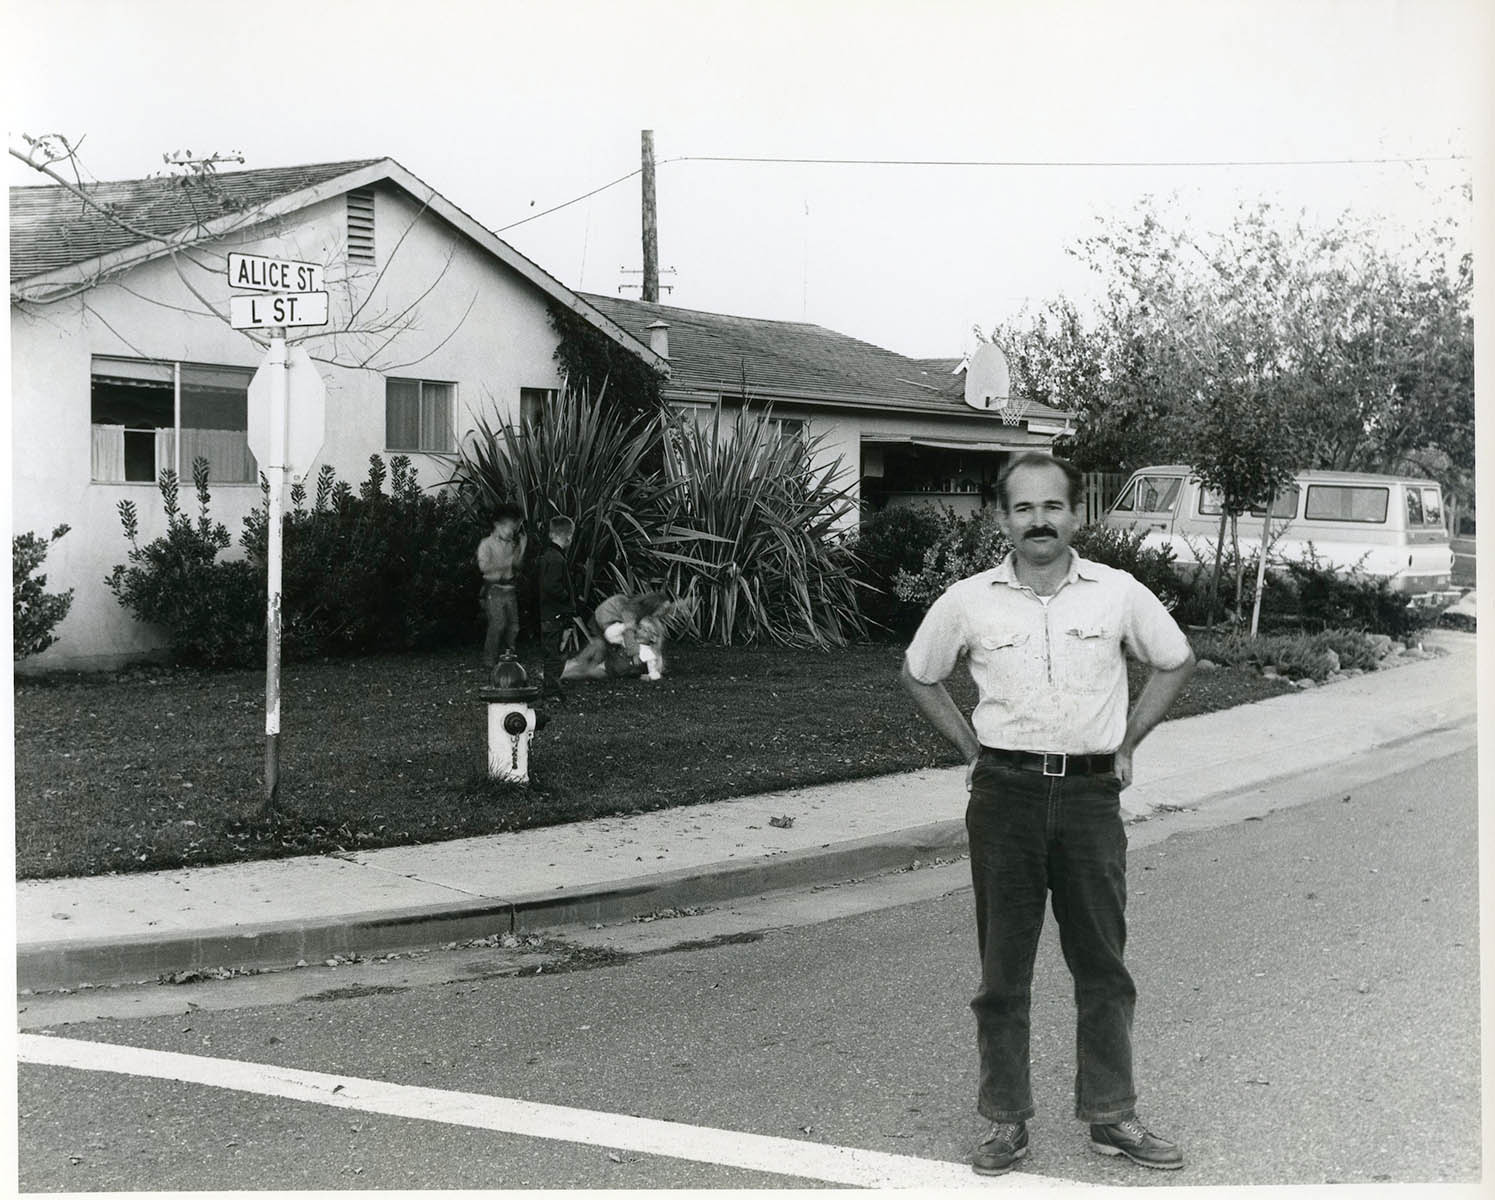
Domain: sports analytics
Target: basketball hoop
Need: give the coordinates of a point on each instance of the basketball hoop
(1013, 411)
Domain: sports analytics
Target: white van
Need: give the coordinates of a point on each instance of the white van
(1387, 525)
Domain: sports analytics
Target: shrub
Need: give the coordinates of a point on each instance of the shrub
(748, 541)
(1294, 655)
(207, 609)
(1316, 596)
(965, 545)
(360, 572)
(1123, 549)
(1353, 648)
(885, 543)
(369, 571)
(1308, 594)
(35, 612)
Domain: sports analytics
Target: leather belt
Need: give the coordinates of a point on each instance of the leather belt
(1053, 764)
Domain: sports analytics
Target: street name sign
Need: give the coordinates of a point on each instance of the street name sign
(306, 412)
(257, 273)
(271, 310)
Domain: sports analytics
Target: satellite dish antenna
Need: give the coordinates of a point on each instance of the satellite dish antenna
(987, 380)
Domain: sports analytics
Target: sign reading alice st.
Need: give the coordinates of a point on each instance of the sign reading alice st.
(257, 273)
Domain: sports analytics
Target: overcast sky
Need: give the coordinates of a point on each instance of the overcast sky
(510, 109)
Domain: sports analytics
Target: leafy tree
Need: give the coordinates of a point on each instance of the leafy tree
(1370, 348)
(1218, 322)
(1269, 346)
(35, 612)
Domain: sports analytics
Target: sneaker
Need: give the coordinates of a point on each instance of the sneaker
(1131, 1138)
(1003, 1145)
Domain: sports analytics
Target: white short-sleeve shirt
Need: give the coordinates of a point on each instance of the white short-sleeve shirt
(1050, 672)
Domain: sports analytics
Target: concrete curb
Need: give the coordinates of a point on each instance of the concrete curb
(49, 966)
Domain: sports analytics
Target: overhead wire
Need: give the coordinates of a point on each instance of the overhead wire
(1021, 163)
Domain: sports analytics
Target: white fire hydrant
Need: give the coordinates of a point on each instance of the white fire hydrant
(511, 719)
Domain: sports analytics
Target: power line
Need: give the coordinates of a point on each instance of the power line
(1123, 164)
(1082, 163)
(568, 203)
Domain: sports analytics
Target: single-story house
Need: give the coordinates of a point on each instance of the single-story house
(124, 362)
(901, 427)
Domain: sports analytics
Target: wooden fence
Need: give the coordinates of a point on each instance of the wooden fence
(1101, 487)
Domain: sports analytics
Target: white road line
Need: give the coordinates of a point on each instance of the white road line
(843, 1165)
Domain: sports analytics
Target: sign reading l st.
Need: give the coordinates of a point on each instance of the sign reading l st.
(266, 312)
(257, 273)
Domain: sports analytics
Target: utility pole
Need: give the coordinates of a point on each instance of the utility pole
(651, 231)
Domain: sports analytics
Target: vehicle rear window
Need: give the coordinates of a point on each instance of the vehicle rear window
(1284, 504)
(1345, 502)
(1432, 506)
(1414, 507)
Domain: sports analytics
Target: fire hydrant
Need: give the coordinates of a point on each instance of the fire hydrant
(511, 719)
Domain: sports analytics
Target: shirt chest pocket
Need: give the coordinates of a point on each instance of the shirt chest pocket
(1009, 662)
(1089, 657)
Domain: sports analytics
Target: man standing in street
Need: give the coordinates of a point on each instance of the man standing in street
(500, 556)
(1050, 745)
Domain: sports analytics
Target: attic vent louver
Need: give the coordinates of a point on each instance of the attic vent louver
(361, 226)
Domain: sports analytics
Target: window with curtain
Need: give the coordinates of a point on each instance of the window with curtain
(533, 403)
(133, 414)
(418, 415)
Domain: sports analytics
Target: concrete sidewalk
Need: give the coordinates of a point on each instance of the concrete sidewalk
(124, 928)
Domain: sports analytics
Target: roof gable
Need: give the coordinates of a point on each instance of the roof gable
(58, 238)
(51, 227)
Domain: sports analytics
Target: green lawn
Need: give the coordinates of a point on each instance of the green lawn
(160, 768)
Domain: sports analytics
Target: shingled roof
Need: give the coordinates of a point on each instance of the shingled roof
(715, 352)
(50, 227)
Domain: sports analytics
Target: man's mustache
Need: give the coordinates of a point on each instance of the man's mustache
(1040, 531)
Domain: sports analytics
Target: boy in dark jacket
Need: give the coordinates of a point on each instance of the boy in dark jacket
(557, 605)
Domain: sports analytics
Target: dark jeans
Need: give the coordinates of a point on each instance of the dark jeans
(1031, 836)
(553, 656)
(501, 603)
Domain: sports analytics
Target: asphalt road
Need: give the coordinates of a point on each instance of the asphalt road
(1309, 1014)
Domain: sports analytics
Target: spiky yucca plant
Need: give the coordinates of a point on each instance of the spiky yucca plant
(583, 460)
(752, 547)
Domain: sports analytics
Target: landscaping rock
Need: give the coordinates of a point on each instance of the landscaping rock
(1380, 643)
(1304, 683)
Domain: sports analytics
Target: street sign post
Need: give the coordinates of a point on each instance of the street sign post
(277, 387)
(287, 404)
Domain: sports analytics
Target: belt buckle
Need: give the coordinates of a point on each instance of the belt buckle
(1063, 764)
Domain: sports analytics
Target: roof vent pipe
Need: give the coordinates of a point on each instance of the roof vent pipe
(659, 339)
